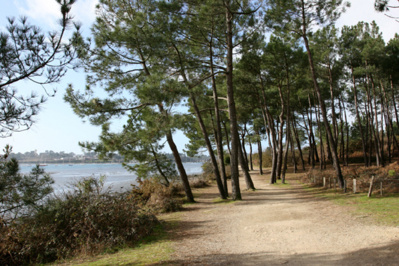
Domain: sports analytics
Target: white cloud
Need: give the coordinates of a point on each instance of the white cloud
(47, 12)
(363, 10)
(84, 11)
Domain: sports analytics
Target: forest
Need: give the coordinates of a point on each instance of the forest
(235, 73)
(230, 74)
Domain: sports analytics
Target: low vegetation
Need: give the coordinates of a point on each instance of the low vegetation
(381, 205)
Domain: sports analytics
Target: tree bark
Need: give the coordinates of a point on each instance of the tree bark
(298, 142)
(244, 168)
(219, 182)
(335, 159)
(359, 121)
(236, 193)
(180, 167)
(218, 135)
(260, 154)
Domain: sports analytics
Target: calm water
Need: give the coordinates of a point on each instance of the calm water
(117, 177)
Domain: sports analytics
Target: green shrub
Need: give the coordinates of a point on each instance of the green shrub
(84, 220)
(21, 194)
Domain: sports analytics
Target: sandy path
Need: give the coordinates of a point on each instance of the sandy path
(276, 225)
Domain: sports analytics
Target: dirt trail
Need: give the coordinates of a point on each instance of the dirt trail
(278, 225)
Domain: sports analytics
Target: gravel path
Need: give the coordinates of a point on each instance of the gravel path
(278, 225)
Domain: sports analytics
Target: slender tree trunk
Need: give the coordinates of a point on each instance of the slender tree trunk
(269, 124)
(311, 150)
(157, 164)
(333, 145)
(203, 128)
(235, 142)
(394, 103)
(243, 145)
(250, 154)
(244, 168)
(342, 146)
(280, 134)
(219, 182)
(180, 167)
(260, 154)
(334, 119)
(227, 137)
(219, 138)
(294, 162)
(322, 157)
(347, 137)
(380, 145)
(373, 126)
(389, 118)
(298, 142)
(359, 121)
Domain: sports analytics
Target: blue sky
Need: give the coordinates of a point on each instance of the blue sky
(57, 127)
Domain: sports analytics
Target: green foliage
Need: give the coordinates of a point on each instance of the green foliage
(227, 159)
(29, 55)
(21, 194)
(84, 220)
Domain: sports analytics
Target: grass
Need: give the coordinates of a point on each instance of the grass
(153, 249)
(383, 210)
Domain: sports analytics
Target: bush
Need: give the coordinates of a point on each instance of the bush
(157, 197)
(82, 221)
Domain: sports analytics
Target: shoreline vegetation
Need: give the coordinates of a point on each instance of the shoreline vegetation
(160, 246)
(86, 239)
(88, 219)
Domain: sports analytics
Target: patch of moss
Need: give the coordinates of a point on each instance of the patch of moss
(223, 201)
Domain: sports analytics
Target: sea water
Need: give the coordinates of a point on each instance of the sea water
(116, 177)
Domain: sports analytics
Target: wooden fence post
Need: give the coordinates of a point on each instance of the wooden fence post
(371, 187)
(354, 186)
(324, 181)
(381, 188)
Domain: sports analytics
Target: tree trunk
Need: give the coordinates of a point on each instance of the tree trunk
(322, 157)
(334, 119)
(309, 131)
(244, 168)
(260, 155)
(280, 134)
(250, 154)
(298, 142)
(236, 193)
(335, 159)
(218, 135)
(389, 118)
(180, 167)
(359, 121)
(373, 127)
(219, 182)
(347, 138)
(269, 124)
(380, 145)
